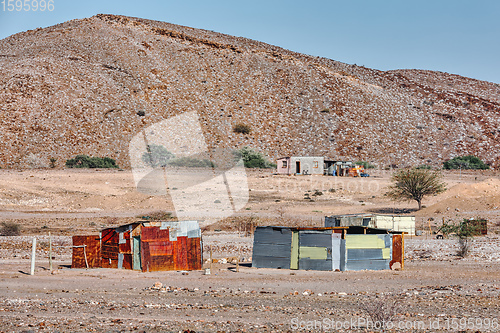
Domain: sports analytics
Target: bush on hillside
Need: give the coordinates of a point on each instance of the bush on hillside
(84, 161)
(253, 159)
(157, 156)
(242, 128)
(468, 162)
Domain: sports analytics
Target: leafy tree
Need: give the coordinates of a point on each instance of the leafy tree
(253, 159)
(465, 232)
(84, 161)
(414, 184)
(466, 163)
(156, 156)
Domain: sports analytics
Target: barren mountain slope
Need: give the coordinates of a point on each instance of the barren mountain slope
(80, 87)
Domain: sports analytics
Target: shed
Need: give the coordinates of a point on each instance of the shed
(325, 249)
(400, 223)
(145, 246)
(338, 168)
(300, 165)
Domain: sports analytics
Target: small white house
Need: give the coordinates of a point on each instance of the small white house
(400, 223)
(300, 165)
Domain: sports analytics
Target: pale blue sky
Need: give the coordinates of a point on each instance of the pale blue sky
(460, 37)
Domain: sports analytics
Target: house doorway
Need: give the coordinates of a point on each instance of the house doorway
(297, 167)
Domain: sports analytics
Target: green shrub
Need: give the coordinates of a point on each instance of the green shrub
(157, 156)
(241, 128)
(191, 162)
(365, 165)
(52, 162)
(84, 161)
(468, 162)
(253, 159)
(157, 216)
(10, 229)
(424, 167)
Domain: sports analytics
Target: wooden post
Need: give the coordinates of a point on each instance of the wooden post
(210, 258)
(85, 255)
(50, 253)
(238, 260)
(33, 253)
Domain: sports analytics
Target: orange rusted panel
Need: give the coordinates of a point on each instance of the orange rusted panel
(109, 248)
(154, 234)
(92, 251)
(127, 261)
(397, 261)
(125, 247)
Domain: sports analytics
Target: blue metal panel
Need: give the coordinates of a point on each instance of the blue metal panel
(272, 236)
(359, 265)
(361, 254)
(272, 250)
(342, 255)
(270, 262)
(314, 264)
(332, 221)
(320, 238)
(272, 247)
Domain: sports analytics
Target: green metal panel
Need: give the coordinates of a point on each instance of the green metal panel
(136, 264)
(386, 253)
(313, 252)
(364, 242)
(294, 256)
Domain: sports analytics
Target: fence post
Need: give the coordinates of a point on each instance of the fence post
(238, 261)
(210, 258)
(50, 253)
(33, 253)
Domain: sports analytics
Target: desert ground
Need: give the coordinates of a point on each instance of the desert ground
(436, 291)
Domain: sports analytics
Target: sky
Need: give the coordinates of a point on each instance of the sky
(453, 36)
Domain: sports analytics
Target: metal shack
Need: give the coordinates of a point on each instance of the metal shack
(325, 249)
(399, 223)
(300, 165)
(338, 168)
(145, 246)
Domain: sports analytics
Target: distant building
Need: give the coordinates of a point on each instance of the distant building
(399, 223)
(300, 165)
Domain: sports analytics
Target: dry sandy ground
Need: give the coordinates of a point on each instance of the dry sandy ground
(69, 201)
(436, 289)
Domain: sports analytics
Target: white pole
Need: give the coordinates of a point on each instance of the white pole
(50, 253)
(33, 252)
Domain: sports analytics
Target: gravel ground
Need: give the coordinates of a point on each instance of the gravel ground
(434, 289)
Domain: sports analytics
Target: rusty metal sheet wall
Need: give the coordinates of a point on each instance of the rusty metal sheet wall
(397, 252)
(109, 248)
(125, 242)
(92, 250)
(158, 253)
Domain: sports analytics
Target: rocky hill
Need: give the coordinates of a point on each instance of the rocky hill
(88, 86)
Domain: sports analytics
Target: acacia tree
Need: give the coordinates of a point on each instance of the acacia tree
(464, 232)
(414, 184)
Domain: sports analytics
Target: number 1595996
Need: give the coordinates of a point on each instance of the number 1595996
(27, 5)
